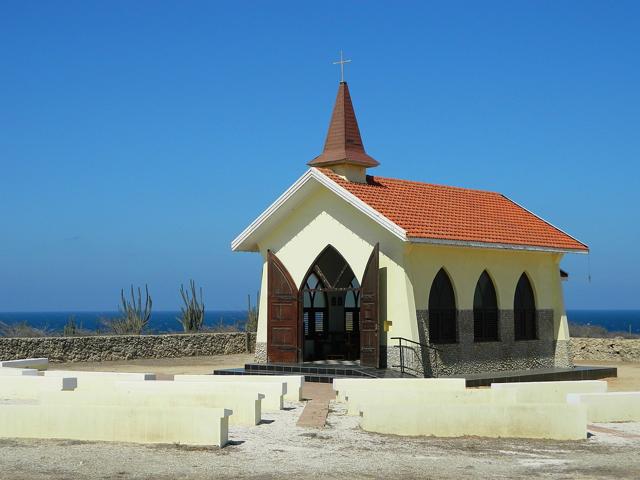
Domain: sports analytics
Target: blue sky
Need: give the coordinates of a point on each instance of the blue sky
(138, 138)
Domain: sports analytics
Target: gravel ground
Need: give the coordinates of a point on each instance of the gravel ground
(341, 450)
(277, 447)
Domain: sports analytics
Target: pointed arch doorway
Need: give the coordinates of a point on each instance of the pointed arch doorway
(332, 316)
(330, 309)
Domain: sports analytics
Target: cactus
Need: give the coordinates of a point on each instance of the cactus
(133, 317)
(70, 328)
(252, 314)
(192, 316)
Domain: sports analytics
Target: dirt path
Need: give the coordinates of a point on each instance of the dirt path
(318, 396)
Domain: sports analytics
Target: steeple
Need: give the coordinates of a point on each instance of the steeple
(343, 149)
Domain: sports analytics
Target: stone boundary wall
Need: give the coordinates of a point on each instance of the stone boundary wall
(127, 347)
(619, 349)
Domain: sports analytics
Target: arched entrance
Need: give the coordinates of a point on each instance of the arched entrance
(330, 298)
(331, 316)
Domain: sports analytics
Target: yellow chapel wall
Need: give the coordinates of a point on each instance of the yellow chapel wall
(322, 219)
(464, 265)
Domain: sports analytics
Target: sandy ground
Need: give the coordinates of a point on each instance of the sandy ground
(163, 367)
(628, 375)
(278, 448)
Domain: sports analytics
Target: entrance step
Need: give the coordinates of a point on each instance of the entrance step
(313, 372)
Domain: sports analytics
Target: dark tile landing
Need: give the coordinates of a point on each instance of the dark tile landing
(321, 372)
(538, 375)
(326, 372)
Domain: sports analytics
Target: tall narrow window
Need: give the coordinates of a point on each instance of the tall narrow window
(485, 310)
(352, 307)
(314, 306)
(524, 310)
(442, 310)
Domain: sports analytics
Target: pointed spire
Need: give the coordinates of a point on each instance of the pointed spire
(343, 144)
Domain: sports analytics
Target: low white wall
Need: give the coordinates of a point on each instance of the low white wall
(37, 363)
(29, 387)
(273, 392)
(190, 426)
(246, 407)
(421, 400)
(609, 407)
(12, 372)
(91, 380)
(294, 382)
(394, 386)
(557, 421)
(551, 392)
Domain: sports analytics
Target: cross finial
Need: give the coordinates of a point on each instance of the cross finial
(341, 62)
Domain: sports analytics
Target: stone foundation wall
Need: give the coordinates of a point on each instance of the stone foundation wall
(468, 356)
(261, 352)
(127, 347)
(615, 349)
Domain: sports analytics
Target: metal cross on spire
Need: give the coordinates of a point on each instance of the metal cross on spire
(341, 62)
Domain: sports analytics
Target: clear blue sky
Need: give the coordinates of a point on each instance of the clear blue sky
(138, 138)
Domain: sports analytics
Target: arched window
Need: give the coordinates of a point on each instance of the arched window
(314, 306)
(352, 307)
(442, 310)
(524, 310)
(485, 310)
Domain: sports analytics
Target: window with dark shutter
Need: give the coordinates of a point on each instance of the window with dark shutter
(314, 306)
(442, 310)
(485, 310)
(524, 310)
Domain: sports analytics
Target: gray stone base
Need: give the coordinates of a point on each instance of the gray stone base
(563, 358)
(261, 352)
(469, 356)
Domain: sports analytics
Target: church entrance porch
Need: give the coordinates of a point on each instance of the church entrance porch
(330, 309)
(332, 316)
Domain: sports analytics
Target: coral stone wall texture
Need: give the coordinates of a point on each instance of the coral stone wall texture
(127, 347)
(619, 349)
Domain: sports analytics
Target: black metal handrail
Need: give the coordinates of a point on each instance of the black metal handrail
(404, 367)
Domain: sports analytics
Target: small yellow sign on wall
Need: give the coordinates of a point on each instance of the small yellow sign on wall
(387, 325)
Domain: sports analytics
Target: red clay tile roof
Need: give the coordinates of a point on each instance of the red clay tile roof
(450, 213)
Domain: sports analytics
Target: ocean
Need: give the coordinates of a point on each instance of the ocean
(161, 322)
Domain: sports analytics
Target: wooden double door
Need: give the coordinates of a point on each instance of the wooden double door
(285, 326)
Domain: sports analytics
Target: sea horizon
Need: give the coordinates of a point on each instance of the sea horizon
(613, 320)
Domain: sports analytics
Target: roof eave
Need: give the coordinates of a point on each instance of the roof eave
(576, 250)
(246, 243)
(493, 245)
(242, 242)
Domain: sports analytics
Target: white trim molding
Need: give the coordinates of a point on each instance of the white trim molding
(503, 246)
(316, 175)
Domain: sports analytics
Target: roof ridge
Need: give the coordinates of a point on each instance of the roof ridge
(439, 185)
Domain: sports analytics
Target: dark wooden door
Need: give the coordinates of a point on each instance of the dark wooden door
(370, 286)
(282, 313)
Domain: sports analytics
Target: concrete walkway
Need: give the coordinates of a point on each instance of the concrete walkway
(315, 412)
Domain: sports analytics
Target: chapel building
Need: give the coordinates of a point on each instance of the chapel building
(361, 268)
